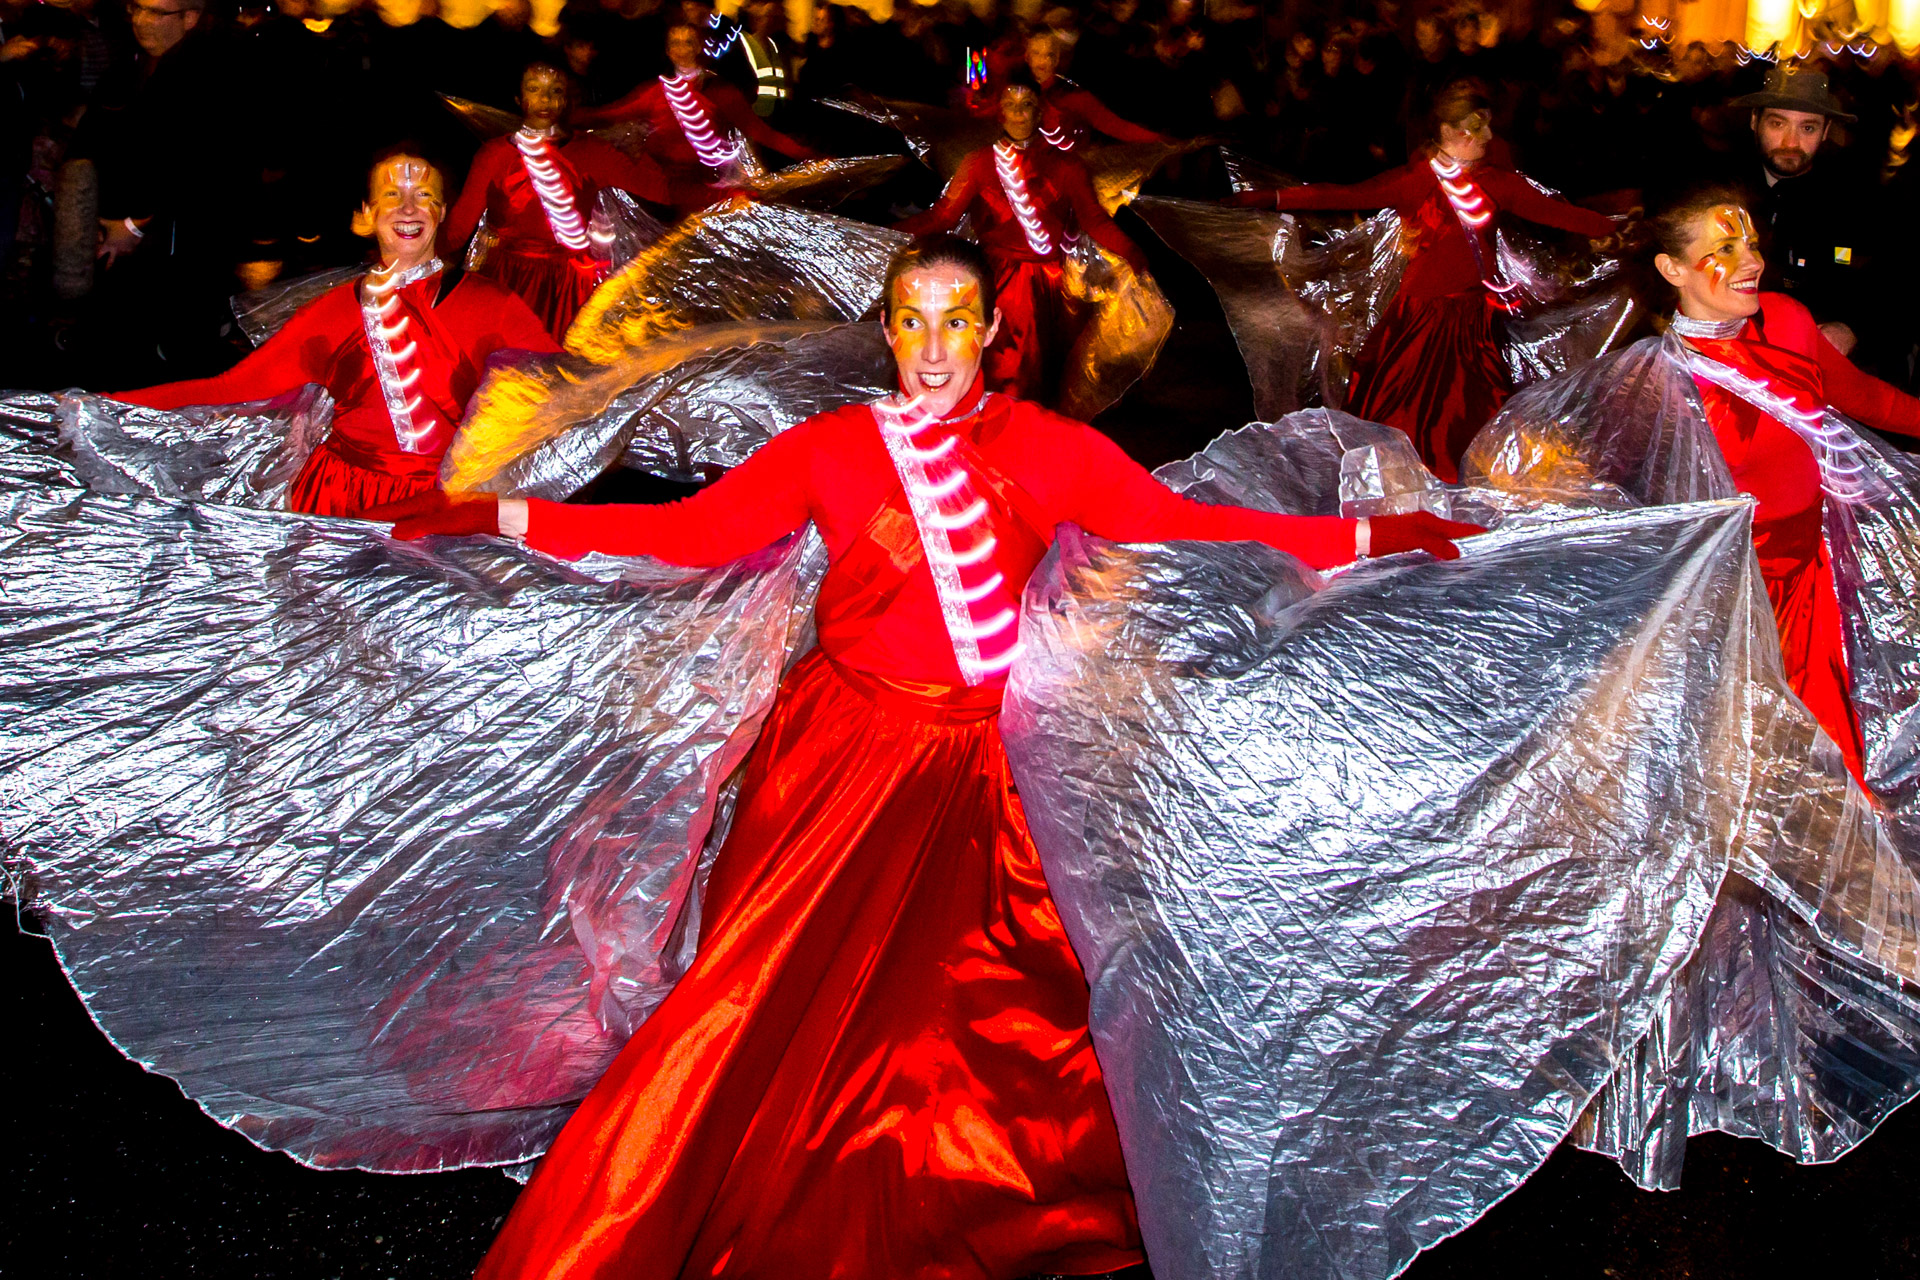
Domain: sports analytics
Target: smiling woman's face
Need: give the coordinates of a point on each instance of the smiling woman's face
(939, 332)
(1718, 277)
(405, 201)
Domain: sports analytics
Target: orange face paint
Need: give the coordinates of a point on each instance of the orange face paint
(391, 183)
(1729, 231)
(937, 313)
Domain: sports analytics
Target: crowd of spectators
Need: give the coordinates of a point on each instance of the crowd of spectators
(158, 156)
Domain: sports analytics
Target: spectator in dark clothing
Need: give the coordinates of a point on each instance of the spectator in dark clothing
(1815, 213)
(171, 177)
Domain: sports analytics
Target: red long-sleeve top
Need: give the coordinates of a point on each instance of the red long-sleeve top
(498, 185)
(1069, 115)
(835, 471)
(665, 142)
(326, 343)
(1443, 260)
(1057, 183)
(1767, 458)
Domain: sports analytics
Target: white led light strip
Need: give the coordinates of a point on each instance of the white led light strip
(556, 198)
(394, 365)
(690, 112)
(1843, 476)
(1059, 138)
(1013, 180)
(1471, 206)
(927, 490)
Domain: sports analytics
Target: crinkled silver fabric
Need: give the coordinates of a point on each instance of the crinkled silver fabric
(1375, 884)
(379, 849)
(757, 262)
(246, 455)
(1796, 1022)
(1302, 292)
(261, 312)
(690, 405)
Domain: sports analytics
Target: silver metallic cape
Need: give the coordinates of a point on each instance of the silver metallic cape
(1799, 1020)
(1379, 885)
(379, 849)
(1302, 292)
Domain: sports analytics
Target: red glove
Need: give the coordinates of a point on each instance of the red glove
(1250, 200)
(1419, 531)
(435, 511)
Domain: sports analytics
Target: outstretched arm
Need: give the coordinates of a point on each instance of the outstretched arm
(757, 503)
(1092, 218)
(952, 205)
(739, 113)
(301, 352)
(1392, 189)
(1082, 105)
(1512, 192)
(1861, 396)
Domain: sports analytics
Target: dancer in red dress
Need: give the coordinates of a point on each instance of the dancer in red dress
(1784, 369)
(537, 187)
(695, 121)
(400, 350)
(1028, 201)
(879, 1063)
(1432, 366)
(1070, 117)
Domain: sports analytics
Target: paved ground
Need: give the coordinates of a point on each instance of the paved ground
(108, 1171)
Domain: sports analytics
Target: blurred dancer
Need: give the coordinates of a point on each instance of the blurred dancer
(879, 1063)
(538, 189)
(697, 125)
(1028, 201)
(1432, 366)
(400, 350)
(1070, 117)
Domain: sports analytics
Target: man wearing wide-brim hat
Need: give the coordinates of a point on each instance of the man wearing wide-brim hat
(1817, 229)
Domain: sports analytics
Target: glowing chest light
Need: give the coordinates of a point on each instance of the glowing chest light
(396, 354)
(551, 185)
(1010, 166)
(1474, 210)
(950, 512)
(690, 112)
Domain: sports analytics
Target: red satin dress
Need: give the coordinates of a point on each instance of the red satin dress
(1432, 366)
(1027, 253)
(878, 1064)
(362, 463)
(711, 107)
(1783, 349)
(555, 279)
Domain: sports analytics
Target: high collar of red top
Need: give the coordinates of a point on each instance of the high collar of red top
(969, 403)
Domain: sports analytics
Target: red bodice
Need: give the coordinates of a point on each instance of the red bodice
(326, 343)
(1037, 470)
(1062, 203)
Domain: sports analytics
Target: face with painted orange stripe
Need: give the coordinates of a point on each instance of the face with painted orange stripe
(938, 329)
(1718, 277)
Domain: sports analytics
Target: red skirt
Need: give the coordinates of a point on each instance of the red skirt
(1036, 329)
(879, 1064)
(1433, 369)
(333, 485)
(555, 284)
(1813, 649)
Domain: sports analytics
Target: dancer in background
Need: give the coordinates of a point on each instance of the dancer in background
(400, 350)
(879, 1063)
(1432, 366)
(538, 188)
(1027, 201)
(697, 124)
